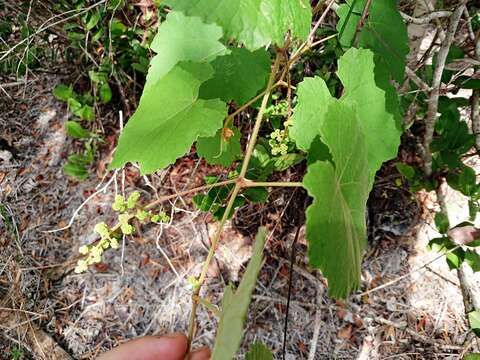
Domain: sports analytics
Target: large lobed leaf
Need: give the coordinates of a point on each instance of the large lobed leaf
(255, 23)
(384, 32)
(356, 70)
(169, 119)
(182, 38)
(353, 136)
(235, 305)
(336, 218)
(238, 76)
(170, 116)
(313, 100)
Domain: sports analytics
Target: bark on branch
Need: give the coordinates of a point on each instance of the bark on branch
(436, 82)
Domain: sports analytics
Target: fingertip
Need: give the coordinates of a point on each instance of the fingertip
(203, 353)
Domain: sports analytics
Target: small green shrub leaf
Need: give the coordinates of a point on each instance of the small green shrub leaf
(76, 130)
(63, 92)
(442, 223)
(406, 170)
(85, 112)
(105, 93)
(474, 320)
(473, 260)
(76, 170)
(93, 20)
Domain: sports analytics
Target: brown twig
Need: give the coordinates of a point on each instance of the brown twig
(360, 24)
(427, 18)
(421, 338)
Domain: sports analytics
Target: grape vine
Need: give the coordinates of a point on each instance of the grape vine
(216, 59)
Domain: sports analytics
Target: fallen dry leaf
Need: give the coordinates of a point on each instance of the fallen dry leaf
(464, 234)
(345, 332)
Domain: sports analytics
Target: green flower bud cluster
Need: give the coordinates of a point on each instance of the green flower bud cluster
(123, 206)
(94, 252)
(128, 210)
(278, 109)
(279, 142)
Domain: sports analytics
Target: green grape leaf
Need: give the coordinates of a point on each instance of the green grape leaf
(349, 15)
(169, 119)
(255, 23)
(309, 114)
(235, 305)
(384, 32)
(182, 38)
(258, 351)
(238, 76)
(356, 71)
(218, 149)
(318, 152)
(335, 225)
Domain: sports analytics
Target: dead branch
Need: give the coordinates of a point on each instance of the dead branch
(436, 82)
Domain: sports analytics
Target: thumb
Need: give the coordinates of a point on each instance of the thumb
(170, 347)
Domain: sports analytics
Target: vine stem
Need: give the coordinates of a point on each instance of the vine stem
(258, 122)
(186, 192)
(249, 183)
(239, 184)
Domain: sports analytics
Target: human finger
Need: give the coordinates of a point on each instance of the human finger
(170, 347)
